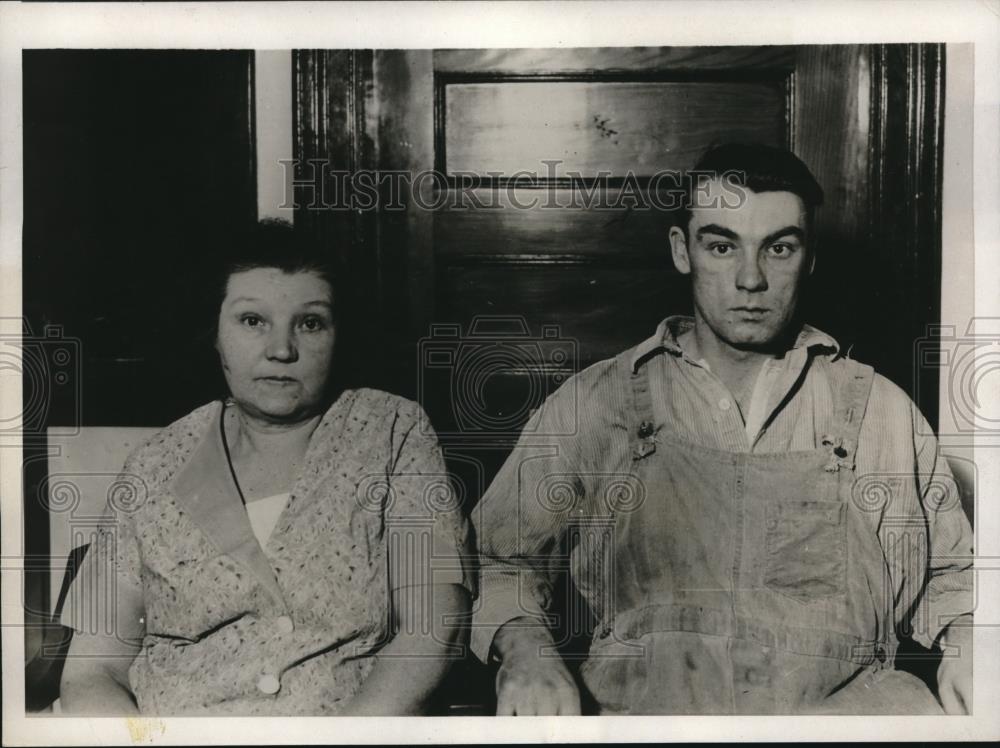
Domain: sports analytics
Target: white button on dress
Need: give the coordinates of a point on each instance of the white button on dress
(285, 624)
(725, 404)
(268, 683)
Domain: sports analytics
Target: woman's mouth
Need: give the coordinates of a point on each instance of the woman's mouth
(278, 380)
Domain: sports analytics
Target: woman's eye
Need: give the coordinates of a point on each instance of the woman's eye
(252, 321)
(313, 324)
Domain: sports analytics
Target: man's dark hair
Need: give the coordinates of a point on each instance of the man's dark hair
(759, 168)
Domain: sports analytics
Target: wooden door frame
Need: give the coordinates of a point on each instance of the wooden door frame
(906, 167)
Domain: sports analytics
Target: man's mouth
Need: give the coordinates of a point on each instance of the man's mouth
(751, 309)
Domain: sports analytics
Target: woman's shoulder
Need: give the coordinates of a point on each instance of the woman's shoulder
(378, 403)
(166, 450)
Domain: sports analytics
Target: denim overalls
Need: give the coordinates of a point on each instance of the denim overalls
(748, 583)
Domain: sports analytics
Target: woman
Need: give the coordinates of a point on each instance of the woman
(277, 552)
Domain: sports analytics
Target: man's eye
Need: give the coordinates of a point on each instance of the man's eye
(782, 250)
(721, 248)
(252, 321)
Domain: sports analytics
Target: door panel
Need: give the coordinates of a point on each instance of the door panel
(603, 310)
(550, 224)
(595, 127)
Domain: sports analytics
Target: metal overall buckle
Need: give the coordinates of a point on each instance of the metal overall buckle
(647, 445)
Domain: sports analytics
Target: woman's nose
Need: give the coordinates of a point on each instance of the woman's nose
(281, 346)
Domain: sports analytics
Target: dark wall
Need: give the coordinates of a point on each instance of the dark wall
(133, 162)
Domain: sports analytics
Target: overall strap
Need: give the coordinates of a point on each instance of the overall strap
(642, 423)
(851, 383)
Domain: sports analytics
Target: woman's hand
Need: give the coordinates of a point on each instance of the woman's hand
(532, 681)
(95, 676)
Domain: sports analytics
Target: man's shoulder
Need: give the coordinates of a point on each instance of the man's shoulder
(595, 399)
(892, 408)
(888, 403)
(595, 382)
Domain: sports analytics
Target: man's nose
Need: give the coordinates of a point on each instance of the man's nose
(750, 275)
(281, 345)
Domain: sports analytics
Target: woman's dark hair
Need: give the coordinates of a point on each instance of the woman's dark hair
(274, 243)
(759, 168)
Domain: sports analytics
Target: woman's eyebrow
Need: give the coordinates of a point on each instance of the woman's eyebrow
(319, 302)
(714, 228)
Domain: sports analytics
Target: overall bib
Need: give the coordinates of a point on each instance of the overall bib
(748, 583)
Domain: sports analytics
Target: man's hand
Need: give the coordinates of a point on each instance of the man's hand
(529, 682)
(955, 671)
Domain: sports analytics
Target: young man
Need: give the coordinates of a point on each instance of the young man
(719, 496)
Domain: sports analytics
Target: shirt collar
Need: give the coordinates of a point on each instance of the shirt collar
(667, 332)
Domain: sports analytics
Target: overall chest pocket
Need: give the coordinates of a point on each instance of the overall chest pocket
(806, 549)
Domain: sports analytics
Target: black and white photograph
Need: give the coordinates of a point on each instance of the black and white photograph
(601, 371)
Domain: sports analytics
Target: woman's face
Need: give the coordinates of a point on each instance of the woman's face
(276, 336)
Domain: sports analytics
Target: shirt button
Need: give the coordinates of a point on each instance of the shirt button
(725, 404)
(268, 683)
(285, 625)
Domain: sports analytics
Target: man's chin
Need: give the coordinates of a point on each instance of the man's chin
(754, 339)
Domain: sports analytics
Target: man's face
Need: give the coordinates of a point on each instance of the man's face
(746, 263)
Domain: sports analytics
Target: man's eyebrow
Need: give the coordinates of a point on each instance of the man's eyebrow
(314, 302)
(714, 228)
(795, 231)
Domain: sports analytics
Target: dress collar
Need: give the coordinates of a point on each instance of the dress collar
(205, 490)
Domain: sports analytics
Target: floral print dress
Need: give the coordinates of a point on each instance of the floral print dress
(230, 627)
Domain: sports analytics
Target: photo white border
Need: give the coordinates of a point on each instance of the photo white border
(464, 25)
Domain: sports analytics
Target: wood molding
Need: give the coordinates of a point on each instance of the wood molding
(621, 59)
(906, 147)
(333, 130)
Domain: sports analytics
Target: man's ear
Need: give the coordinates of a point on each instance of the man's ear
(679, 250)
